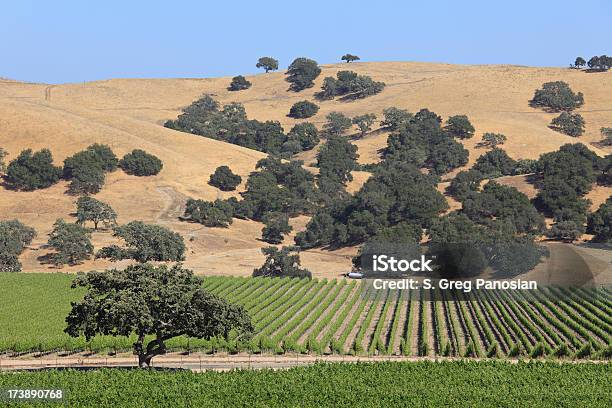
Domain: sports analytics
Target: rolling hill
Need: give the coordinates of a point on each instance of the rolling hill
(129, 113)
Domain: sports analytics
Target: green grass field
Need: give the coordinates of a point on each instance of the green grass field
(335, 317)
(457, 384)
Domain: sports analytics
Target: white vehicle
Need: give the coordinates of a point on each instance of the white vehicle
(355, 275)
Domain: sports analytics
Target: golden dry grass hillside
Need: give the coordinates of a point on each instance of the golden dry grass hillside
(129, 113)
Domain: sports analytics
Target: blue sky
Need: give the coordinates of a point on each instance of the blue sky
(70, 41)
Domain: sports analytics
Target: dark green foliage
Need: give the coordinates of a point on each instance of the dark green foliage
(303, 136)
(85, 169)
(465, 247)
(564, 177)
(277, 187)
(526, 166)
(32, 171)
(600, 63)
(350, 58)
(276, 225)
(349, 85)
(218, 213)
(90, 209)
(283, 262)
(364, 123)
(600, 222)
(566, 231)
(394, 117)
(303, 110)
(401, 239)
(492, 140)
(421, 141)
(500, 202)
(267, 63)
(336, 159)
(465, 183)
(224, 179)
(140, 163)
(579, 62)
(605, 171)
(14, 238)
(495, 163)
(301, 74)
(144, 243)
(87, 179)
(459, 126)
(239, 83)
(71, 242)
(230, 124)
(571, 124)
(557, 96)
(337, 123)
(148, 300)
(395, 193)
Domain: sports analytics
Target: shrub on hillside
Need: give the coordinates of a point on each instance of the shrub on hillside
(571, 124)
(492, 140)
(394, 117)
(216, 213)
(301, 74)
(337, 123)
(71, 243)
(229, 124)
(32, 171)
(495, 163)
(224, 179)
(303, 109)
(600, 222)
(459, 126)
(557, 96)
(336, 159)
(14, 238)
(465, 183)
(304, 136)
(239, 83)
(276, 225)
(144, 243)
(140, 163)
(349, 85)
(364, 123)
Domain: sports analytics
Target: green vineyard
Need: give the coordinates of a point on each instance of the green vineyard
(341, 317)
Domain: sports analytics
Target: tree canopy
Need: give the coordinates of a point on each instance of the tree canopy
(281, 262)
(141, 163)
(229, 124)
(303, 109)
(364, 123)
(571, 124)
(71, 242)
(557, 96)
(495, 163)
(267, 63)
(144, 243)
(224, 179)
(301, 74)
(600, 222)
(276, 225)
(239, 83)
(336, 159)
(152, 301)
(459, 126)
(216, 213)
(350, 58)
(14, 238)
(337, 123)
(349, 85)
(90, 209)
(32, 171)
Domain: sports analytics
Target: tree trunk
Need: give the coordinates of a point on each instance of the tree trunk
(154, 348)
